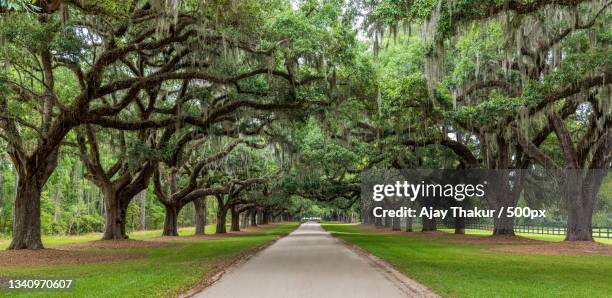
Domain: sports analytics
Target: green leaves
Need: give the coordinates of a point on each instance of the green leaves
(19, 5)
(68, 43)
(390, 12)
(488, 112)
(24, 31)
(473, 50)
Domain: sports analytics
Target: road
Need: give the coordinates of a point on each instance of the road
(311, 263)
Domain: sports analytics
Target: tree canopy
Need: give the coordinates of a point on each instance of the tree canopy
(273, 107)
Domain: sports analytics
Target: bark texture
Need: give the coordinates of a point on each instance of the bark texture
(26, 229)
(26, 215)
(221, 220)
(200, 218)
(115, 218)
(253, 215)
(429, 224)
(408, 224)
(235, 219)
(396, 224)
(171, 220)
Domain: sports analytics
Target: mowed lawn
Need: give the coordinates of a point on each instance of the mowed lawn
(543, 237)
(162, 272)
(137, 235)
(466, 270)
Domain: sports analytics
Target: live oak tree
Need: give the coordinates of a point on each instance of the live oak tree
(175, 197)
(531, 85)
(119, 182)
(228, 200)
(488, 76)
(245, 172)
(84, 55)
(57, 53)
(398, 120)
(150, 98)
(111, 55)
(582, 175)
(316, 167)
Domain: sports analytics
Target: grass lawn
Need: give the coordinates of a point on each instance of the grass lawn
(162, 272)
(551, 238)
(465, 270)
(138, 235)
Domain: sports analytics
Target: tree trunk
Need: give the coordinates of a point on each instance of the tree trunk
(580, 193)
(58, 205)
(378, 222)
(387, 222)
(254, 217)
(460, 221)
(26, 216)
(143, 210)
(372, 218)
(408, 224)
(366, 219)
(199, 205)
(504, 196)
(503, 226)
(265, 217)
(429, 224)
(221, 217)
(579, 224)
(171, 220)
(396, 224)
(460, 225)
(244, 219)
(15, 193)
(235, 220)
(2, 195)
(26, 208)
(101, 210)
(115, 217)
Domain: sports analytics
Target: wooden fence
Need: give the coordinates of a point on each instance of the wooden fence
(598, 232)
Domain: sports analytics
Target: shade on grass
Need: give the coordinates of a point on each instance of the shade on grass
(162, 272)
(465, 270)
(137, 235)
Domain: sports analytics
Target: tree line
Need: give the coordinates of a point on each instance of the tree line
(156, 92)
(255, 104)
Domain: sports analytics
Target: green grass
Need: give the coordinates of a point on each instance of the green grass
(162, 272)
(551, 238)
(138, 235)
(465, 270)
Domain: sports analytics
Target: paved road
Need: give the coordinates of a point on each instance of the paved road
(308, 263)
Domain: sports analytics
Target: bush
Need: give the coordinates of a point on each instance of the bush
(87, 223)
